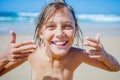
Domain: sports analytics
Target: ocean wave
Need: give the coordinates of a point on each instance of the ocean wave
(16, 17)
(31, 16)
(99, 17)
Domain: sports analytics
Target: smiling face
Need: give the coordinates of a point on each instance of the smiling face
(58, 33)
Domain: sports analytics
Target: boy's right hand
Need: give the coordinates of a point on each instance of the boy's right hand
(18, 51)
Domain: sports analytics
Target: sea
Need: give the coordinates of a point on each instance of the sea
(90, 24)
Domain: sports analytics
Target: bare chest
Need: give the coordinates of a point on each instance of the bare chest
(51, 73)
(44, 70)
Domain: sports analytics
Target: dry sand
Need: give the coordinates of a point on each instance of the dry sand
(83, 72)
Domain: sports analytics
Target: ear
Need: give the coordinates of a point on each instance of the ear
(41, 35)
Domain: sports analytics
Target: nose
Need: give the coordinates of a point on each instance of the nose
(59, 33)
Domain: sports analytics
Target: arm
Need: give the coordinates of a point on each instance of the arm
(99, 57)
(3, 62)
(8, 66)
(15, 54)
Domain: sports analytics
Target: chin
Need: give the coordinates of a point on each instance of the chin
(59, 48)
(59, 52)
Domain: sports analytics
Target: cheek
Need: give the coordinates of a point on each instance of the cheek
(71, 35)
(47, 35)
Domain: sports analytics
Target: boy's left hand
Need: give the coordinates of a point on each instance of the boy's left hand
(97, 50)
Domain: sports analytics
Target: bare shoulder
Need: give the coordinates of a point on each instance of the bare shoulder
(81, 55)
(78, 54)
(77, 51)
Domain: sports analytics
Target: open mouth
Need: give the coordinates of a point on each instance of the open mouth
(60, 43)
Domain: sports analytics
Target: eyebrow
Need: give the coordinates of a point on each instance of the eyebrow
(62, 22)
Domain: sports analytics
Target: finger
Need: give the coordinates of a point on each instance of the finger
(13, 37)
(25, 48)
(93, 45)
(94, 54)
(92, 40)
(24, 55)
(92, 51)
(21, 56)
(95, 40)
(27, 51)
(90, 44)
(98, 37)
(19, 59)
(23, 43)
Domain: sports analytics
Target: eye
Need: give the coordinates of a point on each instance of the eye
(50, 27)
(68, 27)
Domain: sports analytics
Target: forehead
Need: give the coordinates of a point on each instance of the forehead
(62, 15)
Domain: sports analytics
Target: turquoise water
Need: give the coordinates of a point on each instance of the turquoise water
(24, 23)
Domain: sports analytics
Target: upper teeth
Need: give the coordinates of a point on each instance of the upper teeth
(60, 43)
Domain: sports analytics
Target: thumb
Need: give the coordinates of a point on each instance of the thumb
(13, 37)
(98, 37)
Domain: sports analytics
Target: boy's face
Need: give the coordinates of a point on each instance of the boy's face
(58, 33)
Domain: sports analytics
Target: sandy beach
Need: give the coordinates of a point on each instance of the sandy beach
(83, 72)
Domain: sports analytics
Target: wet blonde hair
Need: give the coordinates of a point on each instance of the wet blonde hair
(47, 12)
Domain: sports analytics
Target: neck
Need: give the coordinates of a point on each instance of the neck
(51, 57)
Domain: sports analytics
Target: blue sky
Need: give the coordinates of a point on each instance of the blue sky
(80, 6)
